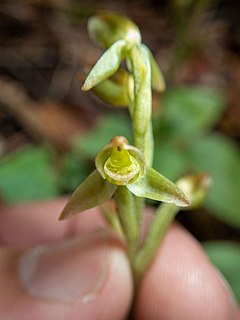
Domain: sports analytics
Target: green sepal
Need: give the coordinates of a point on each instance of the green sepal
(106, 66)
(157, 187)
(157, 78)
(91, 192)
(107, 27)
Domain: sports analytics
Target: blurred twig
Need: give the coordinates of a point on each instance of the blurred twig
(46, 121)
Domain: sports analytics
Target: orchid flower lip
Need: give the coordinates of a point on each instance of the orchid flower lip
(120, 163)
(121, 168)
(124, 174)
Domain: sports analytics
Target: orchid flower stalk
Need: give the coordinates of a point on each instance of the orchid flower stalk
(124, 171)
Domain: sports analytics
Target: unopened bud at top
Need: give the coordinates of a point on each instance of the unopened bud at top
(196, 188)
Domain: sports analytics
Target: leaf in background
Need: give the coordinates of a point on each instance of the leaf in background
(170, 160)
(226, 256)
(189, 111)
(72, 171)
(110, 125)
(220, 158)
(27, 174)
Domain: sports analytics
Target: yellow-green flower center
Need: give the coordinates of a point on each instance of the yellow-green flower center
(121, 168)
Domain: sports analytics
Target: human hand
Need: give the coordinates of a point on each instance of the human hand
(77, 269)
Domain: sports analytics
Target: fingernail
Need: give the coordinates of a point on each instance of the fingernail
(71, 271)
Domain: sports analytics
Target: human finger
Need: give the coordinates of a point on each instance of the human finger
(82, 277)
(182, 284)
(37, 222)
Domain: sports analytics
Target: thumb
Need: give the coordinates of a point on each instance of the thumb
(84, 277)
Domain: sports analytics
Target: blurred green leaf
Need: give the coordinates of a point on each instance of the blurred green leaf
(72, 170)
(110, 125)
(170, 160)
(226, 256)
(220, 158)
(27, 174)
(190, 111)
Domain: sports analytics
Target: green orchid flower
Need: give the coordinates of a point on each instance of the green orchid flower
(119, 164)
(121, 38)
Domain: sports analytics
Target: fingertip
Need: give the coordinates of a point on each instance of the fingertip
(86, 277)
(182, 284)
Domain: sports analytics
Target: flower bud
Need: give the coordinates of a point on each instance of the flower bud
(108, 27)
(196, 188)
(120, 163)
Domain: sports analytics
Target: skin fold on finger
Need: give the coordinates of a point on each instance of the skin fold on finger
(37, 222)
(111, 300)
(182, 284)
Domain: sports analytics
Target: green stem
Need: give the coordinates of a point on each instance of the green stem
(149, 145)
(140, 112)
(127, 216)
(111, 219)
(163, 218)
(142, 104)
(139, 204)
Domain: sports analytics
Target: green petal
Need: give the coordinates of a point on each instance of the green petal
(156, 187)
(118, 90)
(112, 93)
(102, 157)
(106, 66)
(91, 193)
